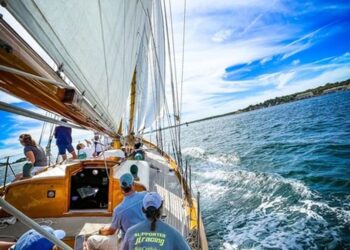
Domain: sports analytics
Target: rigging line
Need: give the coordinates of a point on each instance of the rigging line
(153, 42)
(157, 60)
(183, 57)
(43, 128)
(48, 146)
(173, 140)
(104, 50)
(175, 67)
(182, 74)
(20, 111)
(162, 85)
(124, 41)
(179, 101)
(171, 67)
(174, 88)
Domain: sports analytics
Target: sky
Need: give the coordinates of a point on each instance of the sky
(238, 53)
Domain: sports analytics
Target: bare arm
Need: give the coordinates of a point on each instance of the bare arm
(30, 156)
(88, 143)
(107, 230)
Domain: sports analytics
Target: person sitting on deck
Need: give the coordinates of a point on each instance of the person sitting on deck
(138, 153)
(134, 171)
(34, 154)
(33, 240)
(63, 137)
(85, 152)
(153, 233)
(127, 214)
(131, 140)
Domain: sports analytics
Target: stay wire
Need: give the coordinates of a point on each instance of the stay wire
(104, 50)
(178, 118)
(157, 60)
(162, 85)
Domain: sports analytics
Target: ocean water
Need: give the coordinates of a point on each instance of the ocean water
(276, 178)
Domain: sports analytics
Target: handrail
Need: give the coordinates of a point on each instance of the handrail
(32, 224)
(7, 166)
(5, 157)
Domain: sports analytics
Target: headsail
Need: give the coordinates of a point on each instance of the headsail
(151, 71)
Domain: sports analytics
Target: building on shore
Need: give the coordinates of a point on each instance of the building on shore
(304, 95)
(336, 89)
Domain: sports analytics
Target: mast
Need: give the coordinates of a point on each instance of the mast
(132, 103)
(116, 142)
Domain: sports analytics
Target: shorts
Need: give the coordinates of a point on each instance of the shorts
(101, 242)
(37, 169)
(29, 170)
(62, 148)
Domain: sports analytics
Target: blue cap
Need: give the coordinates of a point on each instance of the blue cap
(126, 180)
(152, 199)
(33, 240)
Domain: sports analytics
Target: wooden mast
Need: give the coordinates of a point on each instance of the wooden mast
(132, 103)
(116, 143)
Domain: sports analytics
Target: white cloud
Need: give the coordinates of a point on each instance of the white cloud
(284, 78)
(295, 62)
(244, 31)
(7, 98)
(221, 35)
(265, 60)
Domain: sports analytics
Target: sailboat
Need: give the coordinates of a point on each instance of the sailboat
(102, 66)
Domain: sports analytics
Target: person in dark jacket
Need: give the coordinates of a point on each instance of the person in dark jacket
(63, 137)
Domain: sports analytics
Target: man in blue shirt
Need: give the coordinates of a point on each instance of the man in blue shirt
(127, 214)
(63, 137)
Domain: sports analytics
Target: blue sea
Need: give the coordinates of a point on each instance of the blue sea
(275, 178)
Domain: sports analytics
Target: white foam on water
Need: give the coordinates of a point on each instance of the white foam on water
(193, 151)
(286, 214)
(224, 159)
(202, 156)
(263, 210)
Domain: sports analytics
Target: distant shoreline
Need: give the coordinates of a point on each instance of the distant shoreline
(322, 90)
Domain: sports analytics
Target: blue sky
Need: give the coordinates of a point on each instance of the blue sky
(242, 52)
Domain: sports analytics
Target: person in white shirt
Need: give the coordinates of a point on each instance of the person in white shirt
(107, 141)
(98, 147)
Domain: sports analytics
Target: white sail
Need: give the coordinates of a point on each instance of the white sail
(96, 41)
(151, 72)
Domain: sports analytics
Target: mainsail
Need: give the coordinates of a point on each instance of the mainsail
(98, 45)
